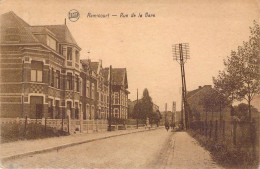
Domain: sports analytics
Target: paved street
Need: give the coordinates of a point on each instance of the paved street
(150, 149)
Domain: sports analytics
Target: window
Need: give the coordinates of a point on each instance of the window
(92, 112)
(116, 113)
(93, 91)
(76, 110)
(69, 81)
(81, 87)
(69, 53)
(52, 77)
(88, 112)
(36, 71)
(77, 83)
(98, 96)
(57, 79)
(116, 101)
(126, 100)
(50, 108)
(122, 99)
(88, 89)
(57, 108)
(101, 97)
(77, 56)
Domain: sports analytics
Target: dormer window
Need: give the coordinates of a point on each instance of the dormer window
(51, 42)
(69, 53)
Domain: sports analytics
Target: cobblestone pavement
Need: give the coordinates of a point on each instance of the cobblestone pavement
(181, 151)
(27, 146)
(153, 149)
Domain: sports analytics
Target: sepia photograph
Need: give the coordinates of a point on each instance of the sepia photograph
(130, 84)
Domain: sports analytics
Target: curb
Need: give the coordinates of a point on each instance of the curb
(57, 148)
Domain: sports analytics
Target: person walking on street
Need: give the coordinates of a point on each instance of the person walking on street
(167, 125)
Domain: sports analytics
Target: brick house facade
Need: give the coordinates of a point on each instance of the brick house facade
(42, 74)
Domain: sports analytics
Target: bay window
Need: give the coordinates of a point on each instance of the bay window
(36, 71)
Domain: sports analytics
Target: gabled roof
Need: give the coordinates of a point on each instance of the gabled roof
(13, 26)
(85, 64)
(198, 90)
(25, 33)
(94, 66)
(119, 76)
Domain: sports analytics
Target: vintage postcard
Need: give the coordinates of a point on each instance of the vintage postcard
(129, 84)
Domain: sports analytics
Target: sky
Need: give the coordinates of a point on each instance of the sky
(144, 44)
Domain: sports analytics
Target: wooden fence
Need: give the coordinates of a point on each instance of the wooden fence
(244, 135)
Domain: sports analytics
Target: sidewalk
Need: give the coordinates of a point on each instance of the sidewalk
(187, 153)
(28, 147)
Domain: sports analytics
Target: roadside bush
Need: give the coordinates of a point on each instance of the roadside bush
(15, 132)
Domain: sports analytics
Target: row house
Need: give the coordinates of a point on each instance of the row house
(102, 90)
(42, 75)
(119, 91)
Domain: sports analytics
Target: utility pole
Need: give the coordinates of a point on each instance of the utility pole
(137, 113)
(173, 112)
(181, 54)
(165, 111)
(110, 98)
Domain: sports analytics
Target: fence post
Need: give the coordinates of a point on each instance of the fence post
(17, 120)
(25, 125)
(216, 130)
(206, 128)
(45, 124)
(68, 124)
(210, 128)
(62, 123)
(202, 127)
(223, 128)
(234, 132)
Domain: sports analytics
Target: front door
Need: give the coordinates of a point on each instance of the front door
(39, 111)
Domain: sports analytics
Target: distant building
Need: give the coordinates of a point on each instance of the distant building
(195, 98)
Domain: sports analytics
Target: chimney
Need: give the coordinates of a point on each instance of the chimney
(200, 87)
(65, 21)
(100, 61)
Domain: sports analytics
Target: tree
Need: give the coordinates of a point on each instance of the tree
(240, 80)
(146, 105)
(241, 110)
(155, 117)
(137, 113)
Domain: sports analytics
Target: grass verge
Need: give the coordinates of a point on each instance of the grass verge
(226, 154)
